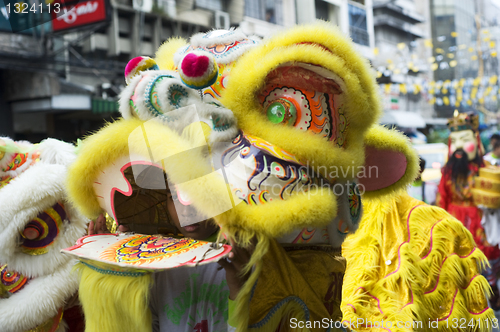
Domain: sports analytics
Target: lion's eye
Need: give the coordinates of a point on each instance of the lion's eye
(282, 111)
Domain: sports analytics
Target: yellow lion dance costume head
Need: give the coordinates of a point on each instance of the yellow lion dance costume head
(298, 110)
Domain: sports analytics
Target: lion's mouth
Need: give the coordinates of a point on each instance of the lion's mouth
(305, 76)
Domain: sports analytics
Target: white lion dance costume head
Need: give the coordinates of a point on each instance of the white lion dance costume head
(36, 222)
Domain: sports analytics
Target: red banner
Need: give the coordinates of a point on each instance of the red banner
(79, 14)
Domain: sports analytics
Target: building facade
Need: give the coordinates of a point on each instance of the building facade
(454, 38)
(63, 81)
(353, 17)
(401, 61)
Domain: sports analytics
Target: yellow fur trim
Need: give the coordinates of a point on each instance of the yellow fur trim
(96, 152)
(115, 303)
(198, 133)
(311, 209)
(427, 272)
(361, 108)
(243, 298)
(382, 138)
(165, 55)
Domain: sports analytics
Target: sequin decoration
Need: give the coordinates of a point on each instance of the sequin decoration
(21, 161)
(11, 282)
(219, 124)
(305, 236)
(354, 199)
(176, 93)
(215, 90)
(18, 160)
(222, 52)
(341, 129)
(316, 99)
(151, 95)
(314, 111)
(47, 224)
(143, 249)
(271, 149)
(4, 180)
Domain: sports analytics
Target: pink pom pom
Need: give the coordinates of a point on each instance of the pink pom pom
(137, 65)
(198, 69)
(194, 65)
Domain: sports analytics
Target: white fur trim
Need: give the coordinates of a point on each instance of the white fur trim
(39, 300)
(141, 87)
(223, 136)
(203, 40)
(20, 146)
(124, 107)
(53, 151)
(38, 188)
(163, 88)
(216, 36)
(183, 114)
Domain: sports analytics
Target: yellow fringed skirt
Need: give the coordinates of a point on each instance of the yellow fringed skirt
(413, 267)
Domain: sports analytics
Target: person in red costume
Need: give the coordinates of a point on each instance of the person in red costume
(455, 188)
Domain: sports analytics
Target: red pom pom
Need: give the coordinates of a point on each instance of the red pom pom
(195, 65)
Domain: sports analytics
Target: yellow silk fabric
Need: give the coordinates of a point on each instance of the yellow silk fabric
(297, 283)
(416, 264)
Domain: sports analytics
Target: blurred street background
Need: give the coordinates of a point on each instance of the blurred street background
(62, 78)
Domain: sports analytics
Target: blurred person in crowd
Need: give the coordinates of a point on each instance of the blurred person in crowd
(455, 189)
(423, 191)
(457, 181)
(493, 157)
